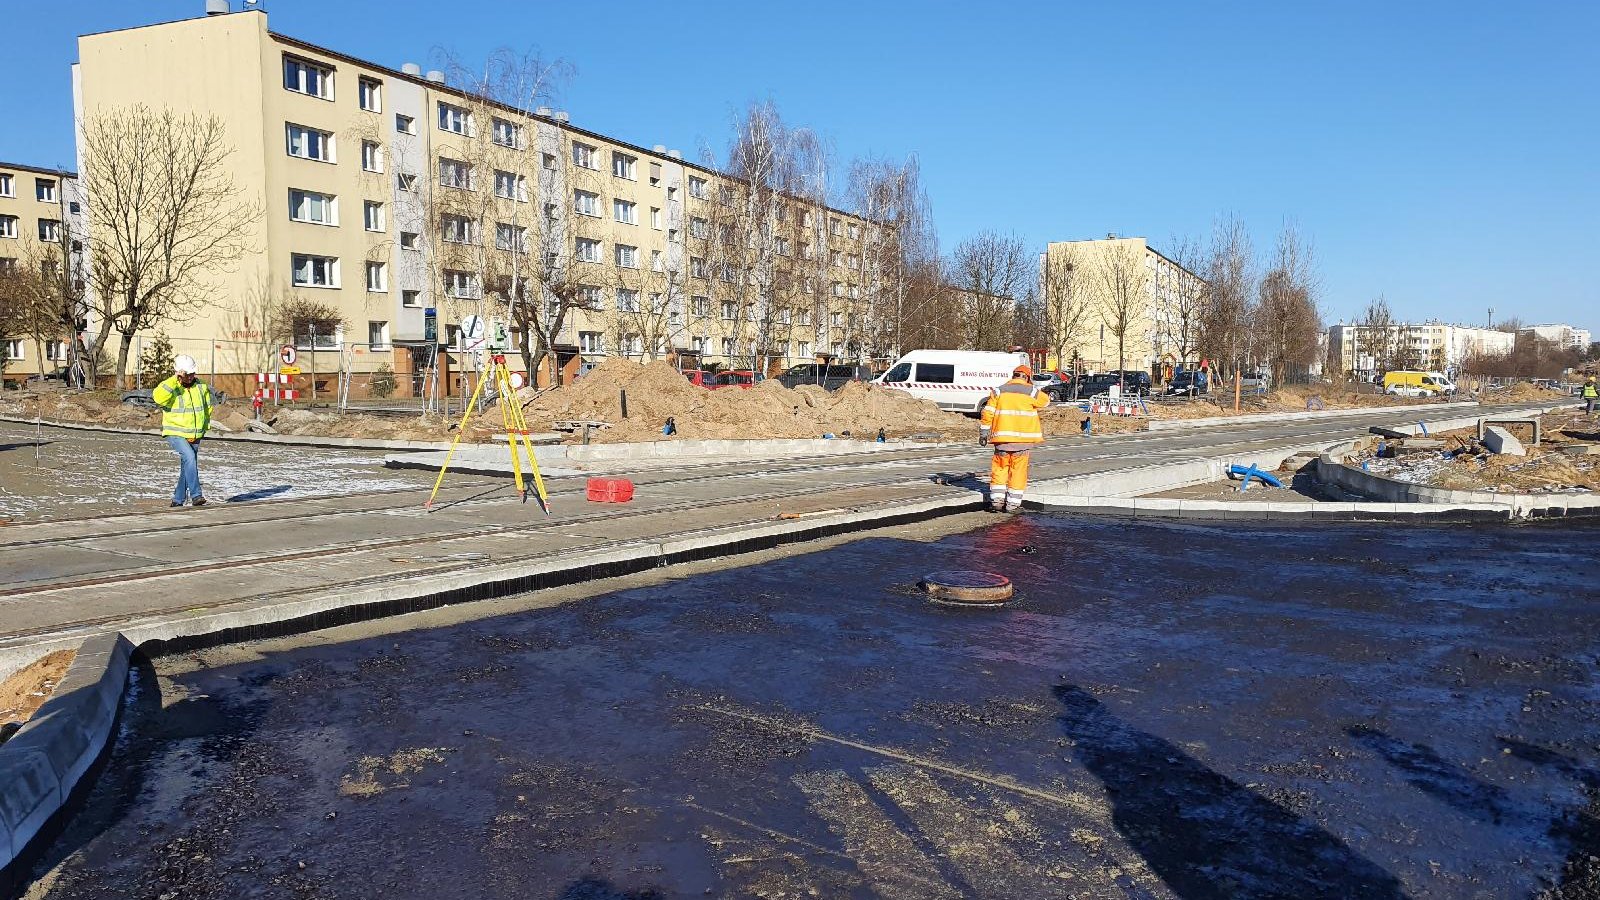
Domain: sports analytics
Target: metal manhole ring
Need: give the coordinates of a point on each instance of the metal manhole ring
(967, 587)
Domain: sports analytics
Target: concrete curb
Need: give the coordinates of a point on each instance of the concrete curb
(42, 765)
(1332, 470)
(292, 440)
(1423, 409)
(1167, 508)
(572, 457)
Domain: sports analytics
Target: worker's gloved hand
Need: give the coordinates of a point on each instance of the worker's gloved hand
(983, 439)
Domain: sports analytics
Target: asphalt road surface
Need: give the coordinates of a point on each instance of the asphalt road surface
(1166, 710)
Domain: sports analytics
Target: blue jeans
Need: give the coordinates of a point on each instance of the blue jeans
(189, 468)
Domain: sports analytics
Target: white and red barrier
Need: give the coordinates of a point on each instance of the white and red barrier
(1109, 407)
(271, 389)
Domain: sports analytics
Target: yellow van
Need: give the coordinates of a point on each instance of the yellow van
(1417, 384)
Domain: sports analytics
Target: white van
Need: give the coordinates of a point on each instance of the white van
(957, 380)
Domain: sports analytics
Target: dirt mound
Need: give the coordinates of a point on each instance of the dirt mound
(1523, 392)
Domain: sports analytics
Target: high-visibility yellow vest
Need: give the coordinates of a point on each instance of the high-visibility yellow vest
(1012, 414)
(186, 411)
(1589, 392)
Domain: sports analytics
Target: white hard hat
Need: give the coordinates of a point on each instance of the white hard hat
(184, 364)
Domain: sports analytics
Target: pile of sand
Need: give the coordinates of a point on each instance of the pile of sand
(656, 391)
(1523, 392)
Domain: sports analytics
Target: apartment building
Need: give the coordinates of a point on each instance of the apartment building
(1365, 351)
(1567, 337)
(41, 223)
(1128, 286)
(407, 204)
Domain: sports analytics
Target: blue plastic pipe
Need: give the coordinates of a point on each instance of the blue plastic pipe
(1249, 472)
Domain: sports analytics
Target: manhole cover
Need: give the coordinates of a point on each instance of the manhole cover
(967, 587)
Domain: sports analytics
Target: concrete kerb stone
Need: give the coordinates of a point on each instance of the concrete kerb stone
(294, 440)
(1267, 418)
(42, 765)
(569, 458)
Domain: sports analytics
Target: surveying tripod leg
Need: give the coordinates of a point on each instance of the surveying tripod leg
(508, 402)
(533, 460)
(460, 430)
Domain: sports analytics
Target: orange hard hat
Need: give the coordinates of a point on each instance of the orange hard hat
(1023, 371)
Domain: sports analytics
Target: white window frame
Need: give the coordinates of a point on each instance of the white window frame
(8, 227)
(518, 186)
(301, 68)
(300, 206)
(373, 217)
(371, 156)
(328, 264)
(625, 211)
(585, 203)
(700, 307)
(517, 237)
(455, 119)
(383, 334)
(698, 268)
(16, 350)
(377, 277)
(405, 124)
(591, 342)
(326, 138)
(411, 299)
(511, 128)
(699, 228)
(586, 250)
(627, 256)
(369, 94)
(405, 182)
(729, 347)
(457, 167)
(460, 284)
(408, 240)
(655, 217)
(697, 187)
(624, 166)
(8, 185)
(728, 311)
(454, 229)
(44, 190)
(585, 156)
(627, 300)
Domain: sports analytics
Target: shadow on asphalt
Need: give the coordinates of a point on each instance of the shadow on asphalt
(1432, 774)
(259, 494)
(592, 888)
(24, 445)
(1206, 835)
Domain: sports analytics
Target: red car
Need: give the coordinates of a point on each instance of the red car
(700, 377)
(741, 378)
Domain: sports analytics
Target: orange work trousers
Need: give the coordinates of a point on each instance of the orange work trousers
(1008, 475)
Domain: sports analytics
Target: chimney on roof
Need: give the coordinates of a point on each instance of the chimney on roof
(1111, 235)
(543, 111)
(217, 7)
(436, 76)
(412, 69)
(659, 148)
(562, 116)
(675, 154)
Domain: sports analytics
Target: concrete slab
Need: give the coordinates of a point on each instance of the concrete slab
(1503, 442)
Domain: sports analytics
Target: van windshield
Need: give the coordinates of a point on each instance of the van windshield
(899, 373)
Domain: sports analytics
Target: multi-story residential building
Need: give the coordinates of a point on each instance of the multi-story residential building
(1129, 286)
(1566, 337)
(1365, 351)
(41, 223)
(407, 203)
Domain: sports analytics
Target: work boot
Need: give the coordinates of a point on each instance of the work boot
(199, 501)
(177, 504)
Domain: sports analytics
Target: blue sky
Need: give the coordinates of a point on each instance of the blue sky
(1446, 155)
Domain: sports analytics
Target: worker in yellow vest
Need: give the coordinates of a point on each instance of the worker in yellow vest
(185, 403)
(1590, 392)
(1010, 424)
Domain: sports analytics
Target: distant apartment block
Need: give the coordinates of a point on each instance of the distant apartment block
(1131, 287)
(1430, 346)
(1566, 337)
(41, 224)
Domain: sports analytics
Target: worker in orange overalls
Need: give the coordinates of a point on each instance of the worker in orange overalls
(1010, 424)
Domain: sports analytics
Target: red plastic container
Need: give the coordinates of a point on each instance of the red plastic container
(610, 490)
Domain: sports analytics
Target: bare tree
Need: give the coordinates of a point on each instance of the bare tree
(1229, 272)
(900, 241)
(1068, 300)
(1286, 314)
(991, 272)
(166, 216)
(1124, 288)
(1375, 337)
(1184, 301)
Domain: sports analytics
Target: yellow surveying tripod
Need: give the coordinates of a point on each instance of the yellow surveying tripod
(516, 432)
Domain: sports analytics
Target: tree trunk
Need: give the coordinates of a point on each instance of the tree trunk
(123, 344)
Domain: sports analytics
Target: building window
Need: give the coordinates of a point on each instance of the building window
(697, 187)
(372, 216)
(587, 250)
(507, 134)
(552, 211)
(585, 203)
(729, 309)
(855, 231)
(804, 349)
(655, 261)
(44, 190)
(49, 230)
(454, 119)
(548, 160)
(510, 186)
(371, 94)
(835, 258)
(672, 235)
(855, 292)
(589, 296)
(8, 265)
(405, 124)
(8, 227)
(833, 226)
(462, 285)
(627, 257)
(7, 185)
(371, 156)
(377, 277)
(836, 319)
(783, 246)
(728, 347)
(627, 300)
(407, 183)
(15, 352)
(309, 143)
(456, 174)
(458, 229)
(307, 78)
(853, 261)
(408, 240)
(585, 156)
(315, 271)
(725, 195)
(700, 307)
(591, 342)
(378, 335)
(510, 237)
(310, 206)
(655, 217)
(625, 212)
(805, 319)
(699, 228)
(697, 267)
(622, 165)
(838, 289)
(411, 299)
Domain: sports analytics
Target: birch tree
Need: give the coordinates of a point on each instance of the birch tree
(1124, 289)
(1224, 333)
(992, 271)
(1068, 300)
(1286, 316)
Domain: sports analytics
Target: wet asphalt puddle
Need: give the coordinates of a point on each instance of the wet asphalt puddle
(1164, 710)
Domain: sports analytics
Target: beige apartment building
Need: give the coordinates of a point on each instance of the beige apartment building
(1364, 351)
(1123, 281)
(41, 222)
(409, 204)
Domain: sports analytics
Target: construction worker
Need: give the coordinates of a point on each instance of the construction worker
(185, 403)
(1010, 424)
(1590, 392)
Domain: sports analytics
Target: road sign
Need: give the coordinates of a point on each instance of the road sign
(472, 333)
(287, 354)
(288, 370)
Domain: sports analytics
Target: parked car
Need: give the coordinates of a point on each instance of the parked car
(739, 378)
(1083, 386)
(700, 377)
(830, 377)
(1188, 383)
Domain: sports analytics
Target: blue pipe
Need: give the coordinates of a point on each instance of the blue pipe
(1249, 472)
